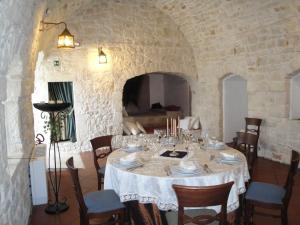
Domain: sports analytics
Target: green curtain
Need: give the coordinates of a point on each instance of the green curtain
(64, 91)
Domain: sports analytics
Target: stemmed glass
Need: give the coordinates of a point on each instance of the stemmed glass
(205, 137)
(173, 141)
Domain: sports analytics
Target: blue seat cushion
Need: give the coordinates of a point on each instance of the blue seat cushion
(102, 201)
(266, 193)
(102, 170)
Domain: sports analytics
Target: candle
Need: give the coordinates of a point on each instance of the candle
(175, 127)
(171, 127)
(178, 125)
(167, 127)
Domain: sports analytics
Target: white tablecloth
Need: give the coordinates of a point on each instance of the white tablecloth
(151, 184)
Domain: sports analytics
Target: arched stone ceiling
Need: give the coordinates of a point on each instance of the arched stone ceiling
(232, 22)
(216, 27)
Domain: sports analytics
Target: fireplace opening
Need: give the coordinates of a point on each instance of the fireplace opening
(151, 98)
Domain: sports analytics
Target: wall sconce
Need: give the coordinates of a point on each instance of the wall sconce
(102, 56)
(65, 39)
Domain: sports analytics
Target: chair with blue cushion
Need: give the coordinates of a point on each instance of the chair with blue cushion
(101, 205)
(192, 196)
(101, 149)
(265, 195)
(247, 144)
(253, 127)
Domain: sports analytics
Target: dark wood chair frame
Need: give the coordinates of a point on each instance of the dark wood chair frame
(247, 144)
(248, 122)
(190, 196)
(253, 122)
(250, 204)
(98, 143)
(117, 216)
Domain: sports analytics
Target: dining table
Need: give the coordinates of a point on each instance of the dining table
(146, 172)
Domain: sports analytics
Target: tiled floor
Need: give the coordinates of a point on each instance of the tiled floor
(265, 170)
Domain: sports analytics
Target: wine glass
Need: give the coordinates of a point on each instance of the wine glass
(205, 138)
(173, 141)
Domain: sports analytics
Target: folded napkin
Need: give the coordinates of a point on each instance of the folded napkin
(128, 159)
(187, 165)
(133, 145)
(228, 155)
(219, 144)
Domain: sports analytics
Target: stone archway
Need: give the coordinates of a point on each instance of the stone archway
(152, 97)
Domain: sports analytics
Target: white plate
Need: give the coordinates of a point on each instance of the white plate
(137, 149)
(226, 161)
(213, 147)
(178, 169)
(128, 165)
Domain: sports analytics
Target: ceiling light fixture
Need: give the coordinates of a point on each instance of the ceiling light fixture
(65, 39)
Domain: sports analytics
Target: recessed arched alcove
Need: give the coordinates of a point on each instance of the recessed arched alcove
(234, 104)
(151, 98)
(294, 96)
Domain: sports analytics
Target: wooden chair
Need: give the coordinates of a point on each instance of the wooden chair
(103, 205)
(271, 196)
(101, 149)
(247, 144)
(189, 196)
(253, 125)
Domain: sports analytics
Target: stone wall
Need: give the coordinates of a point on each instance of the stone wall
(202, 41)
(18, 42)
(258, 40)
(137, 39)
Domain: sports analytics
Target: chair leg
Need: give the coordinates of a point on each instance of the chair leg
(240, 211)
(284, 217)
(248, 213)
(123, 217)
(83, 219)
(127, 216)
(99, 185)
(100, 182)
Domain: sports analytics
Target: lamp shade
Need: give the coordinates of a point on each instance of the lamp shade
(102, 56)
(65, 39)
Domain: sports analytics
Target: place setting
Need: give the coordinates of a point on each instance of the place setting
(133, 147)
(129, 162)
(228, 157)
(185, 168)
(212, 144)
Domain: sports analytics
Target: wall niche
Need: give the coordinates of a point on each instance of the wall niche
(294, 97)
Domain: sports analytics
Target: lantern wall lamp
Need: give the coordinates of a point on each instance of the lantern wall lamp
(102, 57)
(65, 39)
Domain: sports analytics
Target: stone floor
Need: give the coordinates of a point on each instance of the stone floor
(265, 170)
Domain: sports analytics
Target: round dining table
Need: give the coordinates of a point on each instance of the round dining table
(151, 180)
